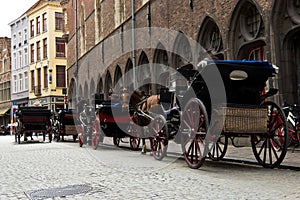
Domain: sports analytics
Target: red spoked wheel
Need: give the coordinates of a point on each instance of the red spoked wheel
(96, 134)
(193, 131)
(160, 137)
(219, 149)
(134, 131)
(270, 148)
(134, 143)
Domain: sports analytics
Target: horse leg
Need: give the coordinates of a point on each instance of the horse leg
(144, 150)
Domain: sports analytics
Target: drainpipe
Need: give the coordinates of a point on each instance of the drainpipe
(133, 44)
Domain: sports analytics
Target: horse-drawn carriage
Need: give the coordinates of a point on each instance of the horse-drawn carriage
(113, 119)
(33, 120)
(207, 120)
(65, 124)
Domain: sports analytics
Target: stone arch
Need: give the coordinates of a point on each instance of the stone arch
(144, 73)
(99, 85)
(86, 91)
(128, 79)
(72, 93)
(246, 36)
(118, 77)
(285, 22)
(210, 39)
(92, 87)
(161, 59)
(108, 84)
(182, 52)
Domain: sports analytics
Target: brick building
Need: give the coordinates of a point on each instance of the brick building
(100, 52)
(5, 70)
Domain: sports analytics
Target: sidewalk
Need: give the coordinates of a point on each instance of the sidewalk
(245, 155)
(291, 160)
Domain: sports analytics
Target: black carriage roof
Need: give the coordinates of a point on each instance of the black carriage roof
(243, 63)
(256, 70)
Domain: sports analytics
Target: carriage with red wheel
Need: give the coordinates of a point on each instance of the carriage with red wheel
(223, 100)
(113, 119)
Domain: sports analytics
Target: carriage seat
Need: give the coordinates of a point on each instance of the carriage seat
(166, 99)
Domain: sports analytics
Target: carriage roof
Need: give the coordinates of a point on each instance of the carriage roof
(243, 80)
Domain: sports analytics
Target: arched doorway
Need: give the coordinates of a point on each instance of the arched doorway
(86, 91)
(108, 84)
(128, 75)
(72, 97)
(286, 26)
(144, 73)
(160, 65)
(118, 83)
(100, 85)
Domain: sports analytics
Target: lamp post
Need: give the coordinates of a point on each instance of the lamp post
(133, 43)
(76, 52)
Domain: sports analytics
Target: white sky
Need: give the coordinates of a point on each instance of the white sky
(11, 10)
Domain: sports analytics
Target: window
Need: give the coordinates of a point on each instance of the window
(20, 59)
(20, 39)
(45, 51)
(39, 80)
(60, 48)
(38, 50)
(25, 57)
(15, 40)
(45, 22)
(32, 53)
(60, 76)
(20, 82)
(25, 81)
(15, 84)
(38, 25)
(25, 36)
(15, 61)
(31, 28)
(32, 80)
(46, 77)
(58, 21)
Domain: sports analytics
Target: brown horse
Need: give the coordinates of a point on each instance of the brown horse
(134, 101)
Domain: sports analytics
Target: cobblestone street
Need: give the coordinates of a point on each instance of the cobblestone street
(118, 173)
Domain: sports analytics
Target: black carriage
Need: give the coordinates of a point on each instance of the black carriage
(245, 112)
(33, 120)
(65, 124)
(112, 120)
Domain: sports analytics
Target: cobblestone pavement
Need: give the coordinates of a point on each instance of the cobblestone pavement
(118, 173)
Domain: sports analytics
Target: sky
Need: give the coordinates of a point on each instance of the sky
(11, 10)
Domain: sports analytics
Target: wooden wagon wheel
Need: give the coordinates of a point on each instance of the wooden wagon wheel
(193, 131)
(159, 132)
(270, 148)
(219, 150)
